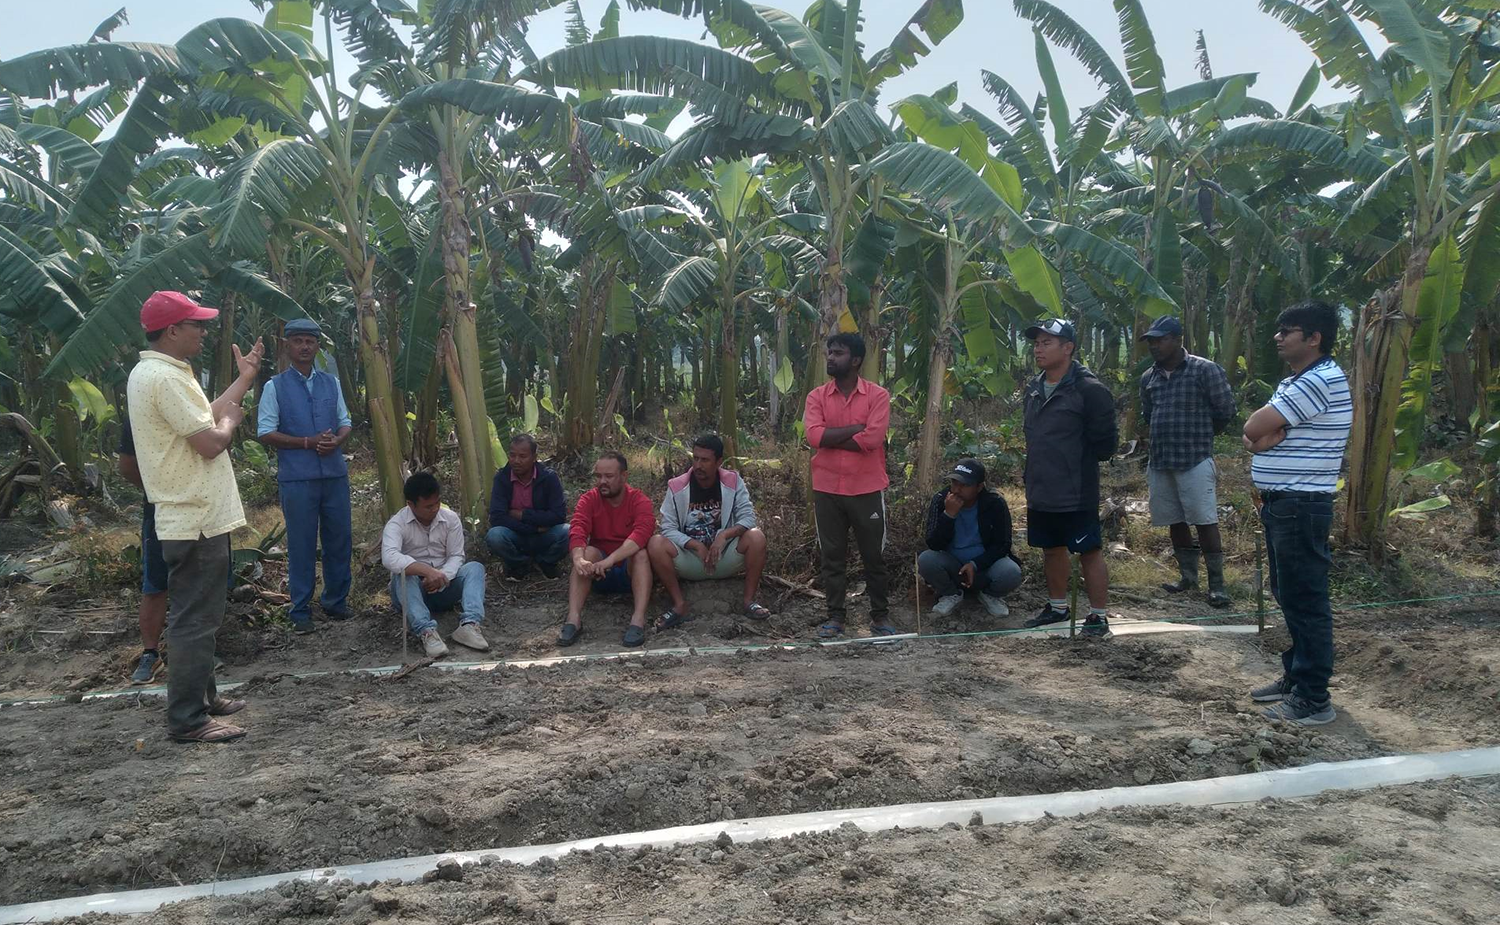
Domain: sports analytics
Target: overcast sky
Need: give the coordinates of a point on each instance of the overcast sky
(1240, 39)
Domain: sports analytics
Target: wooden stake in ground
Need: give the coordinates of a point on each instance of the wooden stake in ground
(1260, 583)
(916, 582)
(1073, 599)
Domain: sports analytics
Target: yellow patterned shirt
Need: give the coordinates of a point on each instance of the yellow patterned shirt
(193, 496)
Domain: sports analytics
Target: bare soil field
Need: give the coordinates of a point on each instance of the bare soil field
(1383, 856)
(347, 768)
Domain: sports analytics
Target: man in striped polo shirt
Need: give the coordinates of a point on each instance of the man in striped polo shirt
(1298, 439)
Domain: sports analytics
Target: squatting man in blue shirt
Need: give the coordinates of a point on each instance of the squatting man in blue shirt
(302, 415)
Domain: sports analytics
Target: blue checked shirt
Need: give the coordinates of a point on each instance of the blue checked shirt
(1185, 409)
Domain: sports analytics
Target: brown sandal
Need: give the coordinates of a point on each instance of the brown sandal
(223, 706)
(211, 731)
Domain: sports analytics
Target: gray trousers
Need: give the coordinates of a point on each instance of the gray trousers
(865, 514)
(197, 582)
(939, 568)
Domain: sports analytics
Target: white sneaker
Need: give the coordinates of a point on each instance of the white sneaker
(996, 606)
(433, 644)
(468, 635)
(947, 604)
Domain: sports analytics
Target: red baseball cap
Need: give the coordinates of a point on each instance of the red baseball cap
(166, 308)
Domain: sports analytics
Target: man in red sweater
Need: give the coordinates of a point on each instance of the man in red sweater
(611, 526)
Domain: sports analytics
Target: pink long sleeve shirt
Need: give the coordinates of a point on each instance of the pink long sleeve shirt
(840, 471)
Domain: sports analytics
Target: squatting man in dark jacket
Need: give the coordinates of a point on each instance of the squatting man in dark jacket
(968, 543)
(1070, 429)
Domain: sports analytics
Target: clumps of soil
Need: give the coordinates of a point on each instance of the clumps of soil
(1272, 862)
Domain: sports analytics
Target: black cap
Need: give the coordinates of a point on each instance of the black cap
(967, 472)
(1162, 327)
(1054, 326)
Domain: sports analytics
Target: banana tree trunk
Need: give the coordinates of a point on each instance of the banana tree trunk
(586, 331)
(424, 438)
(470, 475)
(728, 372)
(224, 371)
(456, 247)
(378, 387)
(1380, 348)
(929, 449)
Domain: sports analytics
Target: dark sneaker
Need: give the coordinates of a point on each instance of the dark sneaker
(549, 569)
(146, 668)
(303, 627)
(1273, 692)
(517, 572)
(1095, 627)
(1046, 617)
(1303, 712)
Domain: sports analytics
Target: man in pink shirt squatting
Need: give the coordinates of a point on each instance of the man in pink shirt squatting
(846, 422)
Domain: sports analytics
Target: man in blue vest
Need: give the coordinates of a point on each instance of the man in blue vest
(302, 415)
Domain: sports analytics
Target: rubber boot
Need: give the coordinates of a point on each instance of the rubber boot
(1217, 596)
(1187, 564)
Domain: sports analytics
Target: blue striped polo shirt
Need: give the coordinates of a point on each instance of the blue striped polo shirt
(1319, 411)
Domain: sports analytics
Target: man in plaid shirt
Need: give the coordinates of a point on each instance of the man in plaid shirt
(1186, 399)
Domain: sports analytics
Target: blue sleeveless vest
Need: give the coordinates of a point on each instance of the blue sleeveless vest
(304, 415)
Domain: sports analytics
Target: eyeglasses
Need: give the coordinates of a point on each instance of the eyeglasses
(193, 324)
(1283, 332)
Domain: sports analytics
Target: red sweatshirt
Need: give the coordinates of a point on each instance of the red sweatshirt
(596, 523)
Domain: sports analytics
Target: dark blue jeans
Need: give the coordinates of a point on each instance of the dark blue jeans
(1298, 559)
(518, 550)
(313, 507)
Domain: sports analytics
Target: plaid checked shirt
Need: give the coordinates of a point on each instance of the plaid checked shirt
(1185, 409)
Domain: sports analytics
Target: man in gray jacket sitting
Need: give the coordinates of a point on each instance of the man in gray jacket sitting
(707, 531)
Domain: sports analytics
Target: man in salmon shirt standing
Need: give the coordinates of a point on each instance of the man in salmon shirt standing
(607, 542)
(846, 421)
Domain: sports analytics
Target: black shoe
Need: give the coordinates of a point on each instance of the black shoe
(337, 614)
(634, 636)
(568, 634)
(1303, 712)
(1218, 599)
(1179, 586)
(303, 627)
(548, 569)
(517, 572)
(1046, 617)
(1095, 627)
(1273, 692)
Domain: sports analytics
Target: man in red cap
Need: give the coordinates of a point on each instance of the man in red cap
(181, 441)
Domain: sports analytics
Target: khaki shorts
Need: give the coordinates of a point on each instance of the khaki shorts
(1184, 496)
(690, 568)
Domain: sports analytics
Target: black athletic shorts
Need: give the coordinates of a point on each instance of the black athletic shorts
(1080, 531)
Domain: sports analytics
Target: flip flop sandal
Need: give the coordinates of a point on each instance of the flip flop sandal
(634, 635)
(223, 706)
(756, 611)
(830, 630)
(211, 731)
(670, 620)
(884, 630)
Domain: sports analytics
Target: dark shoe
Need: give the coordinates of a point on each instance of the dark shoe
(1273, 692)
(337, 614)
(548, 569)
(223, 706)
(1046, 617)
(146, 668)
(517, 572)
(1217, 596)
(568, 634)
(1218, 599)
(634, 635)
(1095, 627)
(1303, 712)
(303, 627)
(211, 731)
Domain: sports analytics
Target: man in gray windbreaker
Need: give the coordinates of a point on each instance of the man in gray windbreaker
(707, 531)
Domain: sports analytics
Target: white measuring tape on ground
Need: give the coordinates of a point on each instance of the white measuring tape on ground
(1290, 783)
(1120, 627)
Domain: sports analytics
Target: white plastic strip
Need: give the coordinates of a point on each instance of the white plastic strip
(1290, 783)
(1118, 627)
